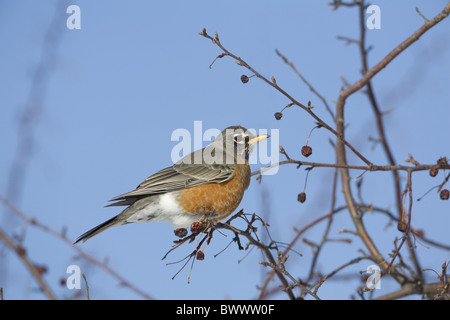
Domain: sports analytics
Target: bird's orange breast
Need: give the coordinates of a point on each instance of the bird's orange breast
(218, 198)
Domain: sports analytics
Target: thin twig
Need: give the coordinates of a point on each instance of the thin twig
(421, 167)
(274, 84)
(420, 14)
(20, 252)
(291, 65)
(69, 242)
(87, 286)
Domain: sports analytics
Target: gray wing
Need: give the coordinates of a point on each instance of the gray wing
(180, 176)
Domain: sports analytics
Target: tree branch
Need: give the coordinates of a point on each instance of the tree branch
(340, 149)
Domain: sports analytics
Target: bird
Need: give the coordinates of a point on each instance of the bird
(206, 185)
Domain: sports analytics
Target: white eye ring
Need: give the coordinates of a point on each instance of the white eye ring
(237, 140)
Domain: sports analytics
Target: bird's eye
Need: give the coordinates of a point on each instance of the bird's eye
(238, 138)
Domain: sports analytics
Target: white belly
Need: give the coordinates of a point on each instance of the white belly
(166, 209)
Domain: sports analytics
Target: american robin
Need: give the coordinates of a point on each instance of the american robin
(206, 185)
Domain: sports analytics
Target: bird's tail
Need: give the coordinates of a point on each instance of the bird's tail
(94, 231)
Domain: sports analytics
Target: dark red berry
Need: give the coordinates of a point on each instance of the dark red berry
(244, 78)
(278, 115)
(445, 194)
(196, 227)
(200, 255)
(306, 151)
(301, 197)
(434, 171)
(180, 232)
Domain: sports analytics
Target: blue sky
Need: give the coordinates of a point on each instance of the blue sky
(138, 70)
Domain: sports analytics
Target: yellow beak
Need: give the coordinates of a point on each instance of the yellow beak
(259, 138)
